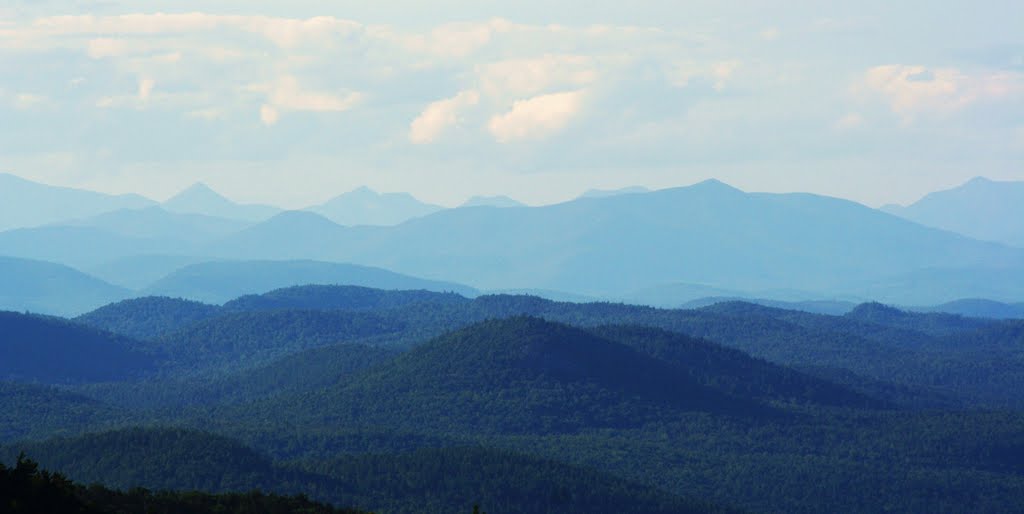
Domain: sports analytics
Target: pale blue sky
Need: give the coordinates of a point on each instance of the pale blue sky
(294, 102)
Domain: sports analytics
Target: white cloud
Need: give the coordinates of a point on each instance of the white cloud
(146, 86)
(530, 76)
(537, 117)
(269, 115)
(440, 115)
(913, 91)
(287, 95)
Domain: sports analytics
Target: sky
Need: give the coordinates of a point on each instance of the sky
(292, 103)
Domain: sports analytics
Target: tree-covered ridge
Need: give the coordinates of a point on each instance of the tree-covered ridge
(245, 339)
(339, 297)
(148, 317)
(26, 489)
(520, 375)
(54, 350)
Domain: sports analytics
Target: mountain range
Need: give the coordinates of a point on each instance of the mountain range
(709, 234)
(665, 247)
(981, 208)
(29, 204)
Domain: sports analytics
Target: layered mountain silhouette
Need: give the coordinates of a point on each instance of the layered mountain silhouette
(709, 234)
(364, 206)
(981, 208)
(638, 246)
(24, 203)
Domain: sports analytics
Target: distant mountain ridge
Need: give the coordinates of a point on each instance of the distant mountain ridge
(24, 203)
(980, 208)
(708, 233)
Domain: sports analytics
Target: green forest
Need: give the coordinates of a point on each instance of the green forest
(314, 398)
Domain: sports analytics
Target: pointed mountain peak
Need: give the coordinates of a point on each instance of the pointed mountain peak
(197, 191)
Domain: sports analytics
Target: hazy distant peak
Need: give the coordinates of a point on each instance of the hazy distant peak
(364, 206)
(492, 201)
(200, 198)
(714, 184)
(196, 192)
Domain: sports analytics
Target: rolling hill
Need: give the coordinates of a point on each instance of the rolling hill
(510, 376)
(49, 288)
(347, 298)
(148, 317)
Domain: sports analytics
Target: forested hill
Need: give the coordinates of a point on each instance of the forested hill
(520, 375)
(325, 297)
(148, 317)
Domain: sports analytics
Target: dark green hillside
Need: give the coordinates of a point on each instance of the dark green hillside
(348, 298)
(28, 410)
(432, 481)
(252, 338)
(733, 371)
(514, 375)
(148, 317)
(56, 351)
(977, 374)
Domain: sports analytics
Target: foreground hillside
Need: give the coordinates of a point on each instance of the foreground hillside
(24, 488)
